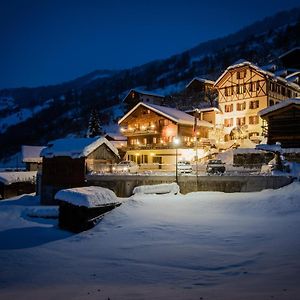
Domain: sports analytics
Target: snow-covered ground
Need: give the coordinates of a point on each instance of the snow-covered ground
(205, 245)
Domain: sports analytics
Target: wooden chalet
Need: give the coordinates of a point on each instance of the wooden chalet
(244, 89)
(283, 123)
(67, 161)
(151, 130)
(31, 156)
(135, 96)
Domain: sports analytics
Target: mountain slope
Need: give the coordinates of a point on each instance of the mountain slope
(70, 102)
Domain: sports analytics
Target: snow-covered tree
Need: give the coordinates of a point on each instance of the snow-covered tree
(94, 128)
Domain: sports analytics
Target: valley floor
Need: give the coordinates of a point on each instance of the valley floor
(204, 245)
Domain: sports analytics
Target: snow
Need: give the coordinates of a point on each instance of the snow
(171, 89)
(32, 153)
(164, 188)
(76, 147)
(271, 148)
(208, 245)
(279, 105)
(90, 196)
(42, 212)
(8, 178)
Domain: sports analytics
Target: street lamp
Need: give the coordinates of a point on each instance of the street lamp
(176, 142)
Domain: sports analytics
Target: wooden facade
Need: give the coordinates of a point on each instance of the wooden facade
(284, 124)
(151, 133)
(61, 172)
(244, 90)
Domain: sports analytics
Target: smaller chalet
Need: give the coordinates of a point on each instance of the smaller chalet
(135, 96)
(283, 121)
(31, 156)
(198, 84)
(16, 183)
(67, 161)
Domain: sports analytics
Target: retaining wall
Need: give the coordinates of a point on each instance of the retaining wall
(123, 185)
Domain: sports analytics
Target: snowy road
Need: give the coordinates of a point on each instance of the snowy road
(205, 245)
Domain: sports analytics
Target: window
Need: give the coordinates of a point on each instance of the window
(240, 121)
(271, 102)
(154, 140)
(289, 94)
(145, 159)
(226, 91)
(254, 104)
(241, 106)
(240, 89)
(228, 107)
(257, 85)
(241, 74)
(253, 120)
(272, 87)
(283, 90)
(228, 122)
(145, 141)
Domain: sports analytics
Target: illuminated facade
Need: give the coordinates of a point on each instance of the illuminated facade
(151, 129)
(244, 89)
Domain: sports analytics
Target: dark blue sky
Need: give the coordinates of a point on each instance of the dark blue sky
(45, 42)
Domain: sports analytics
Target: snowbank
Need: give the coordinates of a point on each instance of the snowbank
(42, 212)
(163, 188)
(13, 177)
(90, 196)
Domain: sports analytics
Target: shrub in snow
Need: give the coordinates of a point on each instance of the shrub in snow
(164, 188)
(91, 196)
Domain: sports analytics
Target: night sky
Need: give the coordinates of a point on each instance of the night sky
(46, 42)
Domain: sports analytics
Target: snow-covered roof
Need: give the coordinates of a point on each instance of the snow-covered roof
(173, 114)
(90, 196)
(116, 136)
(32, 153)
(200, 80)
(217, 110)
(279, 105)
(143, 93)
(12, 177)
(243, 63)
(76, 147)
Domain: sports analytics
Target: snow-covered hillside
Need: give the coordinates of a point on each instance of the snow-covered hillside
(205, 245)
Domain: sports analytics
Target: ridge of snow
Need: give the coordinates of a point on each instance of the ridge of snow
(8, 178)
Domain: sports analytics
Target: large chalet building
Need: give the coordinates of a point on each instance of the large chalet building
(152, 129)
(243, 90)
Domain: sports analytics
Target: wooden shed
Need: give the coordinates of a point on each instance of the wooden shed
(16, 183)
(283, 123)
(67, 161)
(31, 156)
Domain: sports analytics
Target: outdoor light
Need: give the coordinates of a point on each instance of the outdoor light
(176, 142)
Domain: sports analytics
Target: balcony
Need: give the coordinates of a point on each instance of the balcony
(141, 131)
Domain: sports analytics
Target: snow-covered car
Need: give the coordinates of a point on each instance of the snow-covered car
(126, 166)
(184, 167)
(215, 166)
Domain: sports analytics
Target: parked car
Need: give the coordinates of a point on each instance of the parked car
(126, 166)
(215, 166)
(184, 167)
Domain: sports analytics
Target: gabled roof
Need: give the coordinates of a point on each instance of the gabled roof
(173, 114)
(200, 80)
(32, 154)
(143, 93)
(243, 63)
(279, 105)
(76, 147)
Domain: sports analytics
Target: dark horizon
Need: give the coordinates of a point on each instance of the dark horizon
(52, 42)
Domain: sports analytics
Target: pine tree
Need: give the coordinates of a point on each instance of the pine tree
(94, 128)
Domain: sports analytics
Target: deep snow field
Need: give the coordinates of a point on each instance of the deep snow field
(205, 245)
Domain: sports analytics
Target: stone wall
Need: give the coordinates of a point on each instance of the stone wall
(123, 185)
